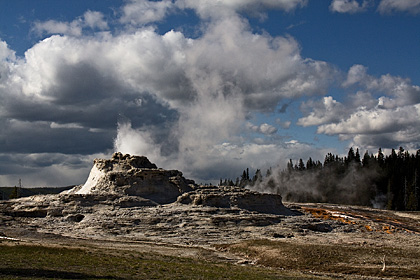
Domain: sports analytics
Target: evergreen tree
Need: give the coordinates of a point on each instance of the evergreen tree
(257, 177)
(310, 164)
(15, 193)
(366, 159)
(350, 156)
(244, 179)
(381, 158)
(357, 156)
(301, 166)
(394, 177)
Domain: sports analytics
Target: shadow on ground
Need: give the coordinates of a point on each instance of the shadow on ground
(45, 273)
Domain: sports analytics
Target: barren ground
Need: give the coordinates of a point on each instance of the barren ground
(317, 241)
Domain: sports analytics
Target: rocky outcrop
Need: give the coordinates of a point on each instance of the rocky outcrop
(234, 197)
(134, 176)
(128, 197)
(138, 182)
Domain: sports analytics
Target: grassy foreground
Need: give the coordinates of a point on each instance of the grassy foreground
(39, 262)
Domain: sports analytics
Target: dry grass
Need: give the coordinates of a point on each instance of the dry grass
(336, 259)
(41, 262)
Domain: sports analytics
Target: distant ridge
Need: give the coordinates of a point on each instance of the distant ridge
(25, 192)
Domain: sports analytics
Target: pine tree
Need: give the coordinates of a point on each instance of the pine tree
(301, 166)
(257, 177)
(366, 159)
(15, 193)
(310, 164)
(350, 156)
(357, 156)
(381, 158)
(290, 166)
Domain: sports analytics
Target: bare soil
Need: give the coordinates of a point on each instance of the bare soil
(318, 241)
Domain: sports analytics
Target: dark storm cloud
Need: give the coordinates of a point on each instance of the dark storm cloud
(40, 137)
(82, 84)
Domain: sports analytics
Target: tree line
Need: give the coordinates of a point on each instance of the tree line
(384, 181)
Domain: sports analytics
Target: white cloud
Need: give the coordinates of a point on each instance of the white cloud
(195, 93)
(349, 6)
(187, 101)
(379, 128)
(66, 125)
(324, 111)
(267, 129)
(375, 121)
(7, 59)
(383, 112)
(141, 12)
(91, 19)
(260, 68)
(397, 91)
(357, 74)
(95, 19)
(73, 28)
(5, 52)
(391, 6)
(264, 128)
(219, 9)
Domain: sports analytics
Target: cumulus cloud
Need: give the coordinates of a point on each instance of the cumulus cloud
(92, 19)
(73, 28)
(218, 9)
(141, 12)
(320, 112)
(264, 128)
(392, 6)
(380, 127)
(375, 121)
(383, 112)
(7, 58)
(180, 98)
(397, 91)
(349, 6)
(5, 52)
(183, 102)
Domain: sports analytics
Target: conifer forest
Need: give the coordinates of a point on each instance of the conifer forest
(382, 181)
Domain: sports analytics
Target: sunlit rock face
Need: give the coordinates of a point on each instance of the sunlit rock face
(134, 176)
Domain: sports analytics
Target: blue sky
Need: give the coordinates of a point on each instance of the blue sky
(207, 87)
